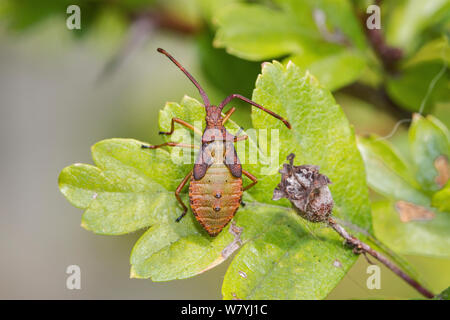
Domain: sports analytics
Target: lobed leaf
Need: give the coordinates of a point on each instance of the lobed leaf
(320, 135)
(285, 247)
(173, 250)
(125, 192)
(131, 188)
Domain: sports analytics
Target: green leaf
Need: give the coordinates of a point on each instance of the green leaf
(387, 173)
(131, 188)
(285, 247)
(429, 238)
(125, 192)
(339, 14)
(333, 70)
(181, 250)
(437, 49)
(286, 259)
(320, 135)
(441, 199)
(428, 140)
(420, 86)
(255, 32)
(291, 30)
(409, 18)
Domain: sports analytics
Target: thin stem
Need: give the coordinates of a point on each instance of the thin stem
(361, 247)
(388, 55)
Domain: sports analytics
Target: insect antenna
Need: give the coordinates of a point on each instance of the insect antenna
(200, 89)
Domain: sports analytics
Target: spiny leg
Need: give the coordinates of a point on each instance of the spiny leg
(177, 195)
(251, 177)
(240, 138)
(228, 115)
(171, 144)
(238, 96)
(236, 138)
(183, 123)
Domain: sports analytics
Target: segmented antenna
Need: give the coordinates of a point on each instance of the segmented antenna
(200, 89)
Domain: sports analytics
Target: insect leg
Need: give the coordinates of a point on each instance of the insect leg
(238, 96)
(228, 115)
(240, 138)
(183, 123)
(251, 177)
(171, 144)
(177, 195)
(237, 137)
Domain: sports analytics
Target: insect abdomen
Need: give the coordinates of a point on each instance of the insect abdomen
(215, 198)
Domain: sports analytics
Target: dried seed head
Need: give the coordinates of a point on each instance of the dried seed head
(307, 190)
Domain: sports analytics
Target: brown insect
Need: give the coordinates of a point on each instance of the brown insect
(215, 189)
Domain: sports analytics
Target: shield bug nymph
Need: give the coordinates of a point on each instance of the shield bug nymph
(215, 188)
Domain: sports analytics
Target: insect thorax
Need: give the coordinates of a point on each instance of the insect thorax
(213, 117)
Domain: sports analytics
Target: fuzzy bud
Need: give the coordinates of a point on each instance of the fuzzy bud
(307, 190)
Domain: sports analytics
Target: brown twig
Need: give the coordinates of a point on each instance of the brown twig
(388, 55)
(360, 247)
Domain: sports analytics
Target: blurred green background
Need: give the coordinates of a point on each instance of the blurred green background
(63, 90)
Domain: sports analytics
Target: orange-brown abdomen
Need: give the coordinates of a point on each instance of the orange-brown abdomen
(215, 198)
